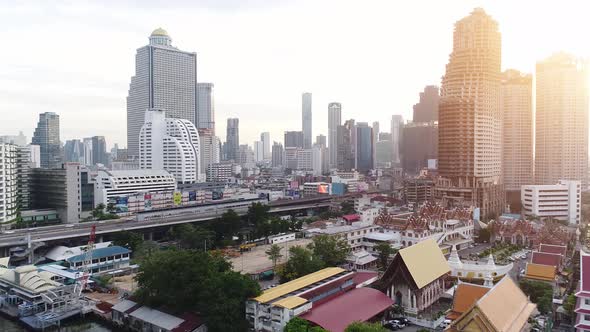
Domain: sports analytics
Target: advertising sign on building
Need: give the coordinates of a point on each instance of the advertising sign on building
(147, 202)
(177, 198)
(192, 196)
(294, 185)
(121, 204)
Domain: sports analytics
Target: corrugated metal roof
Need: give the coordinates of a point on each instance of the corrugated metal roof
(157, 318)
(290, 302)
(425, 261)
(298, 283)
(124, 305)
(100, 253)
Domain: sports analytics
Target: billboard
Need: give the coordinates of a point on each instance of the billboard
(147, 202)
(121, 204)
(177, 198)
(323, 189)
(192, 196)
(294, 185)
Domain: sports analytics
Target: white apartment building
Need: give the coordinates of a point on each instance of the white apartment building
(304, 159)
(219, 172)
(210, 151)
(8, 182)
(170, 144)
(113, 184)
(560, 201)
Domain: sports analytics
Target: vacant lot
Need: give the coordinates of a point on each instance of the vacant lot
(256, 260)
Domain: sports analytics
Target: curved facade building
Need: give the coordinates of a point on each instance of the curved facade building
(170, 144)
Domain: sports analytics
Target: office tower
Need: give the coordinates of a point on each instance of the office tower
(165, 78)
(419, 143)
(306, 119)
(170, 144)
(205, 118)
(265, 139)
(24, 164)
(88, 161)
(470, 118)
(561, 120)
(258, 151)
(291, 155)
(344, 153)
(74, 151)
(245, 156)
(517, 136)
(385, 137)
(209, 146)
(334, 121)
(305, 159)
(58, 188)
(8, 182)
(47, 137)
(375, 131)
(383, 151)
(559, 201)
(293, 139)
(20, 139)
(99, 150)
(35, 154)
(232, 141)
(277, 155)
(321, 140)
(364, 147)
(426, 110)
(397, 124)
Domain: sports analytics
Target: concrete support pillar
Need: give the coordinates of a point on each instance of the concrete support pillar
(151, 236)
(100, 239)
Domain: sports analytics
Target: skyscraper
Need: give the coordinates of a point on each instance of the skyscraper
(334, 121)
(209, 146)
(306, 119)
(99, 150)
(47, 137)
(232, 139)
(205, 118)
(294, 139)
(165, 78)
(265, 139)
(561, 120)
(376, 131)
(397, 124)
(8, 182)
(517, 135)
(344, 151)
(321, 140)
(419, 143)
(470, 118)
(364, 147)
(170, 144)
(426, 110)
(74, 151)
(258, 151)
(277, 155)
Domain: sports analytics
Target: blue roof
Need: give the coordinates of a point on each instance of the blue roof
(101, 253)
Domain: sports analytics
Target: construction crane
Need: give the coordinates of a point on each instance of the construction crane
(87, 260)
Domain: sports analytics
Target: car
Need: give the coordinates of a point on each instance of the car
(8, 232)
(391, 326)
(445, 323)
(403, 320)
(399, 323)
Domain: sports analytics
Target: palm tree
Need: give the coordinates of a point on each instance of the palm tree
(274, 254)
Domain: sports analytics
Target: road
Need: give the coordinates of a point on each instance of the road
(59, 232)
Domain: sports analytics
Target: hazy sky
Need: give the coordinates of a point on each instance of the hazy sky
(76, 57)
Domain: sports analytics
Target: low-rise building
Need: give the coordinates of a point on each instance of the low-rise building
(111, 185)
(220, 172)
(582, 309)
(311, 189)
(561, 201)
(503, 308)
(415, 277)
(475, 271)
(135, 317)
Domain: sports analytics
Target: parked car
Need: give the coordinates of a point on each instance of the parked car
(391, 326)
(399, 323)
(445, 324)
(403, 320)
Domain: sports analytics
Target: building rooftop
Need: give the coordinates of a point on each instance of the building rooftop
(540, 272)
(425, 262)
(544, 258)
(359, 304)
(290, 302)
(298, 283)
(100, 253)
(465, 296)
(553, 249)
(585, 274)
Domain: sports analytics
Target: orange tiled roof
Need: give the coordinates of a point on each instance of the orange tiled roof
(540, 272)
(465, 296)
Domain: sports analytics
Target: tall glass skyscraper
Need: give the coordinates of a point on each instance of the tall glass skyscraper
(165, 78)
(47, 137)
(232, 139)
(364, 147)
(306, 119)
(205, 118)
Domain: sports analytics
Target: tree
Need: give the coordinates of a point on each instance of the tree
(570, 304)
(187, 280)
(365, 327)
(347, 207)
(301, 325)
(227, 226)
(274, 254)
(191, 237)
(111, 208)
(385, 251)
(301, 262)
(127, 239)
(257, 213)
(483, 235)
(332, 250)
(540, 293)
(98, 211)
(145, 249)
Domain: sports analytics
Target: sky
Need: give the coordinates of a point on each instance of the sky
(76, 58)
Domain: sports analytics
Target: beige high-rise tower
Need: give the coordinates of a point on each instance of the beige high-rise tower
(561, 120)
(470, 118)
(517, 138)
